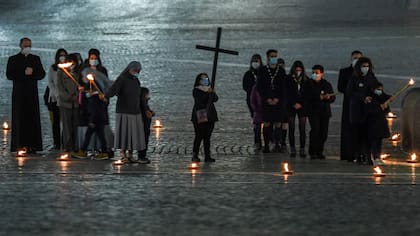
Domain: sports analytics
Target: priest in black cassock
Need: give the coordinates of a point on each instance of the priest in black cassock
(25, 69)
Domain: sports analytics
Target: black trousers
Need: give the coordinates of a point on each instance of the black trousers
(319, 132)
(302, 129)
(55, 123)
(100, 132)
(375, 148)
(359, 140)
(203, 133)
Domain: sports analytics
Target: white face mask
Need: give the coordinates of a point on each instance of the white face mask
(298, 73)
(353, 63)
(255, 65)
(364, 70)
(62, 58)
(26, 51)
(93, 62)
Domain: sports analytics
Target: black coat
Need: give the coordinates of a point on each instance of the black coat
(294, 92)
(26, 123)
(201, 100)
(376, 117)
(311, 92)
(357, 90)
(248, 81)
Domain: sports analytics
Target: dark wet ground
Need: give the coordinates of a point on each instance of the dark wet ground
(244, 192)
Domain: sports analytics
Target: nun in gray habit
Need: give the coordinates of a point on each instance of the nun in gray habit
(129, 131)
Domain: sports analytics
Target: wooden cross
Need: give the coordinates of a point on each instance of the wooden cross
(216, 51)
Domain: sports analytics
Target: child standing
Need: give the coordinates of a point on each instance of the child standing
(317, 95)
(146, 113)
(377, 123)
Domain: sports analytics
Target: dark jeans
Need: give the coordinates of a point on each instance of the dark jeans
(318, 134)
(55, 123)
(203, 133)
(257, 133)
(100, 133)
(302, 127)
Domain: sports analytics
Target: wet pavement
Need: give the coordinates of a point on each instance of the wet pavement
(244, 192)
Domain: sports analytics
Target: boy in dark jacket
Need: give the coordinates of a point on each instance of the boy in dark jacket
(377, 124)
(317, 95)
(146, 113)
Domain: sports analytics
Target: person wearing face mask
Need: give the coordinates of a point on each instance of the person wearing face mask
(60, 57)
(146, 113)
(93, 65)
(25, 69)
(129, 127)
(317, 94)
(295, 80)
(377, 123)
(203, 116)
(271, 86)
(344, 76)
(68, 103)
(248, 82)
(361, 83)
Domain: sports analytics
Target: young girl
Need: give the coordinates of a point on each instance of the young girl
(377, 123)
(204, 99)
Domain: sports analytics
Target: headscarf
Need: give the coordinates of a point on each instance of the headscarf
(132, 65)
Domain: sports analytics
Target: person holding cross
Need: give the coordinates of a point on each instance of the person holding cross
(203, 116)
(272, 88)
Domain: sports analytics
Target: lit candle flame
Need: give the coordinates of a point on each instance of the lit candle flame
(90, 77)
(118, 162)
(157, 124)
(413, 157)
(5, 125)
(411, 82)
(286, 167)
(193, 165)
(64, 157)
(378, 170)
(64, 65)
(21, 153)
(391, 115)
(395, 137)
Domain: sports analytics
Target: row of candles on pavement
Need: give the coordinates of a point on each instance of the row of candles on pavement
(395, 138)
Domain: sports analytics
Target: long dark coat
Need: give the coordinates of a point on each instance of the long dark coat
(26, 124)
(376, 117)
(201, 100)
(346, 152)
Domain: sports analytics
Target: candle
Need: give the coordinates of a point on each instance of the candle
(413, 158)
(92, 82)
(63, 67)
(378, 172)
(63, 157)
(21, 153)
(384, 156)
(6, 126)
(395, 137)
(193, 166)
(157, 124)
(391, 115)
(286, 170)
(118, 163)
(392, 98)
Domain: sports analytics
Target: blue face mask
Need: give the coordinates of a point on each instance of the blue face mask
(378, 92)
(137, 75)
(205, 82)
(314, 76)
(273, 61)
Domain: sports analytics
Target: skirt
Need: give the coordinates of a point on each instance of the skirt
(129, 132)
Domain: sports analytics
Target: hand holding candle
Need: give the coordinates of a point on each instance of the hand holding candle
(393, 97)
(63, 67)
(92, 82)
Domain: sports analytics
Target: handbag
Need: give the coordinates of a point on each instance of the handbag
(202, 116)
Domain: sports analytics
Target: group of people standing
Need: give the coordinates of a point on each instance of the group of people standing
(276, 98)
(78, 106)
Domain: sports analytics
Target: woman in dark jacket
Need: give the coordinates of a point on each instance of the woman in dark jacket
(203, 116)
(295, 81)
(358, 88)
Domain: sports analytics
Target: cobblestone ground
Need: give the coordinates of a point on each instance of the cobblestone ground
(244, 192)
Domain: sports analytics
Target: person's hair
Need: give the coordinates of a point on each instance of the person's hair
(357, 68)
(144, 91)
(57, 57)
(198, 78)
(23, 39)
(94, 51)
(295, 65)
(356, 52)
(255, 56)
(318, 67)
(270, 51)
